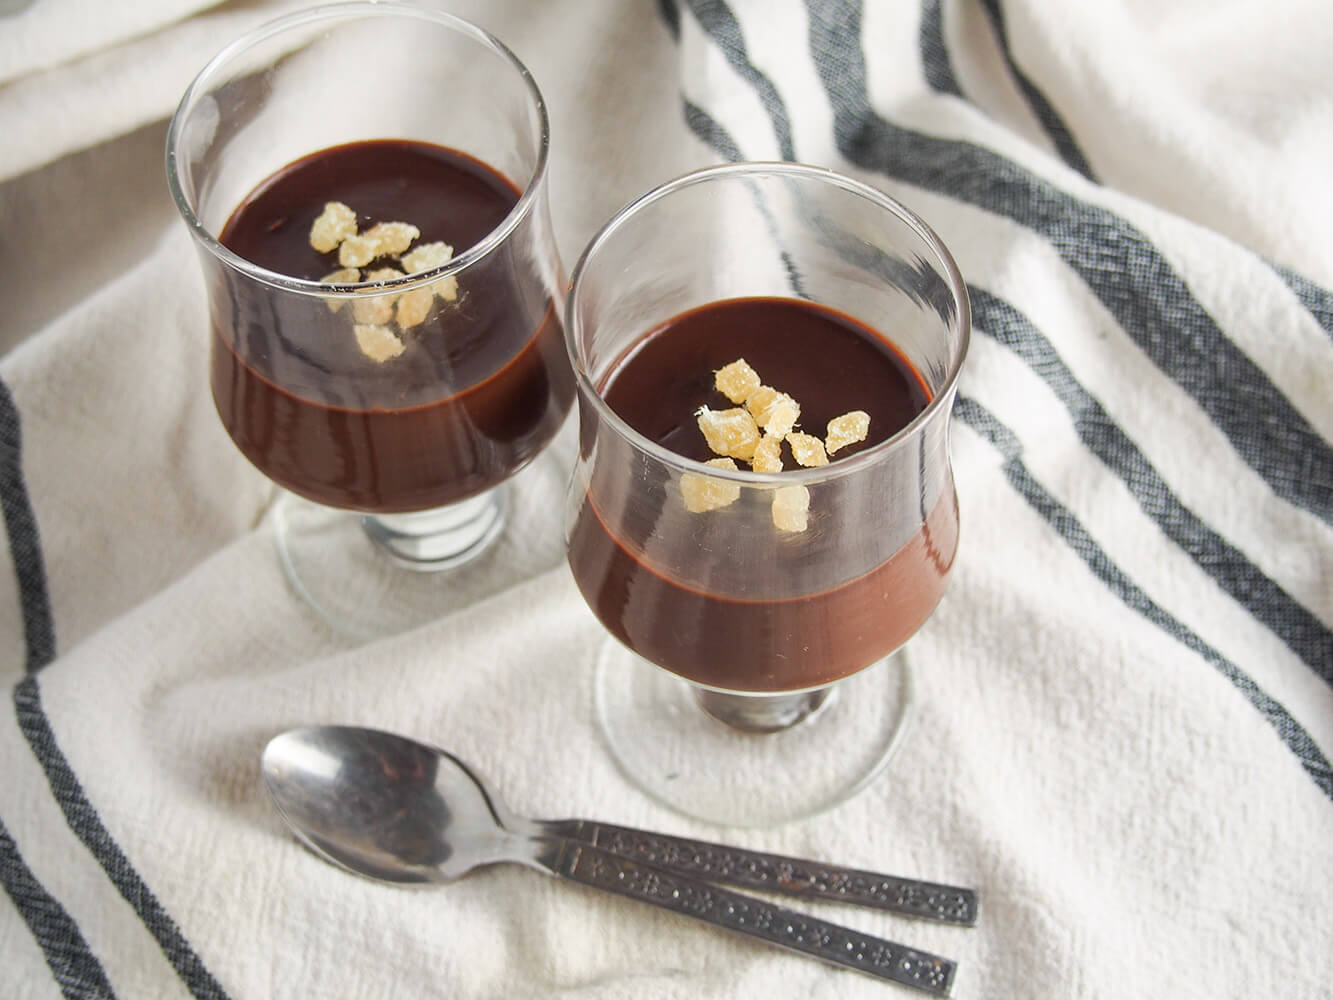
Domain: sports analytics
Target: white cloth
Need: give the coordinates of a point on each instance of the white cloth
(1126, 697)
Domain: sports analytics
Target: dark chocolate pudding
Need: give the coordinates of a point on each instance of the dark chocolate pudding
(674, 586)
(481, 387)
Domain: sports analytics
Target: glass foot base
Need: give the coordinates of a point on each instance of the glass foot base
(369, 578)
(374, 577)
(668, 736)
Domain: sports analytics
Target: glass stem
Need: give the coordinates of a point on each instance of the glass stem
(763, 713)
(431, 540)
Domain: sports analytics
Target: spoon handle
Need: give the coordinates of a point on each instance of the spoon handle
(725, 865)
(593, 866)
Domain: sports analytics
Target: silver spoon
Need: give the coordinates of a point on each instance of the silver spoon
(395, 810)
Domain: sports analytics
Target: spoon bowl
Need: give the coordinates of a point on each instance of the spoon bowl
(385, 807)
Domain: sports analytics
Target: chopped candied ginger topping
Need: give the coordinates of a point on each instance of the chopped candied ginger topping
(427, 256)
(807, 449)
(382, 240)
(850, 428)
(372, 311)
(754, 432)
(342, 276)
(736, 381)
(335, 224)
(702, 493)
(376, 309)
(731, 433)
(412, 308)
(774, 411)
(767, 454)
(377, 342)
(791, 508)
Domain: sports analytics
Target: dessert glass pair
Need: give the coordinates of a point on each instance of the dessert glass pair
(388, 347)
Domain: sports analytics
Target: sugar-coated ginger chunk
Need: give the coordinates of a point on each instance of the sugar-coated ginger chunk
(702, 493)
(377, 342)
(730, 433)
(774, 411)
(768, 454)
(426, 256)
(807, 449)
(357, 251)
(382, 240)
(847, 429)
(446, 287)
(335, 224)
(393, 237)
(376, 309)
(791, 508)
(413, 307)
(736, 381)
(342, 276)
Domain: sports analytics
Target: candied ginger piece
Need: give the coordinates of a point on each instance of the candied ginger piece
(335, 224)
(791, 508)
(768, 454)
(342, 276)
(807, 449)
(730, 433)
(426, 256)
(446, 287)
(377, 342)
(376, 309)
(774, 411)
(847, 429)
(357, 251)
(432, 255)
(702, 493)
(392, 237)
(413, 307)
(736, 381)
(382, 240)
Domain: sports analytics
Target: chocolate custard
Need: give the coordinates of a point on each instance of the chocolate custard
(481, 387)
(783, 627)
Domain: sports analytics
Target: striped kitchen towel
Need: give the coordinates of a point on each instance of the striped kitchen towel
(1125, 706)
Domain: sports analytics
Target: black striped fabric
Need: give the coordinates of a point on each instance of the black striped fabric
(940, 75)
(1120, 265)
(1051, 122)
(1139, 288)
(76, 970)
(1077, 537)
(75, 967)
(25, 546)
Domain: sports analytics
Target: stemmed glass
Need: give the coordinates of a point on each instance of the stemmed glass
(752, 675)
(393, 466)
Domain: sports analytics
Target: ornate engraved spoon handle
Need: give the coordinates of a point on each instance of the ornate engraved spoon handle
(725, 865)
(785, 928)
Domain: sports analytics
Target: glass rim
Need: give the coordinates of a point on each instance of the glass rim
(941, 398)
(341, 12)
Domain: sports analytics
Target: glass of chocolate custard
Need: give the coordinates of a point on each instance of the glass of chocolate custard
(763, 509)
(366, 185)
